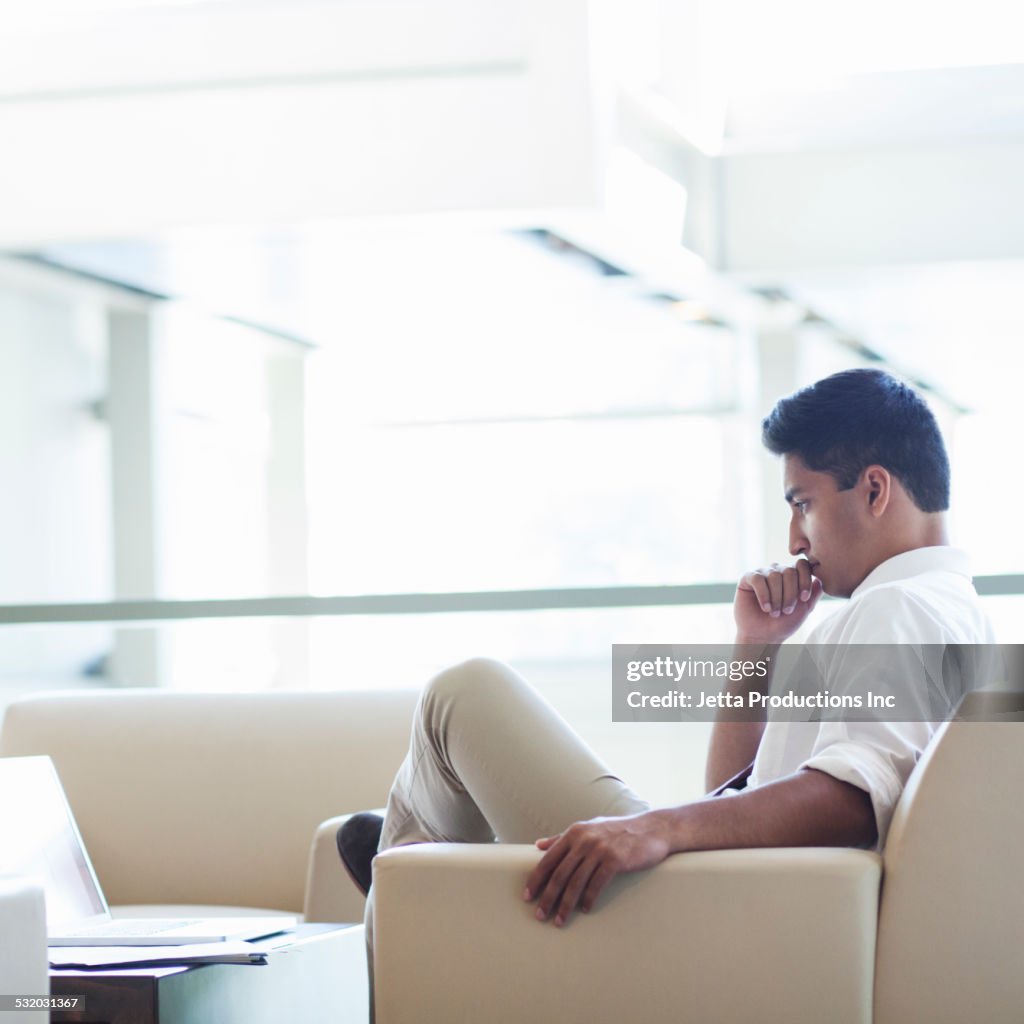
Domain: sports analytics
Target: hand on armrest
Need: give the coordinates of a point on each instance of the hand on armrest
(808, 808)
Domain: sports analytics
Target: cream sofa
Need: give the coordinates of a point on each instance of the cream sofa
(218, 800)
(788, 935)
(215, 798)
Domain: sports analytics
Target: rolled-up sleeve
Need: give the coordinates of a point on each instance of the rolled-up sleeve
(884, 651)
(876, 757)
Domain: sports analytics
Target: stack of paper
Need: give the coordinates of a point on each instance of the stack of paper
(107, 957)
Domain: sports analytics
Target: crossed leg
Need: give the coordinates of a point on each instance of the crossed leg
(490, 759)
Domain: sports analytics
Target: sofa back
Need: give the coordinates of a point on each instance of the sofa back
(211, 798)
(951, 923)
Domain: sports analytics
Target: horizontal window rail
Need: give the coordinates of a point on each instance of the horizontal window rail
(407, 604)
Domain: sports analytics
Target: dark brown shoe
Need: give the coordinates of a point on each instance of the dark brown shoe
(358, 840)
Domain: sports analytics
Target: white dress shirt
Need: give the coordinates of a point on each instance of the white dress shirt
(923, 596)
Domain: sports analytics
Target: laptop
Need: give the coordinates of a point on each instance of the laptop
(41, 840)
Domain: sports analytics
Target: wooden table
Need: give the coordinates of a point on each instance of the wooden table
(320, 977)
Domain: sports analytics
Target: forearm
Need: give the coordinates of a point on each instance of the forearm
(734, 736)
(733, 746)
(808, 808)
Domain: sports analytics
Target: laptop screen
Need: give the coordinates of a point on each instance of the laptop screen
(41, 840)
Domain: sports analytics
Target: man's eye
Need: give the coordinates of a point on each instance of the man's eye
(802, 505)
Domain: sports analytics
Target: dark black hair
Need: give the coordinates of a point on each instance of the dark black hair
(860, 418)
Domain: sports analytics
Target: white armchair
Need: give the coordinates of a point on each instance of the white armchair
(793, 935)
(753, 935)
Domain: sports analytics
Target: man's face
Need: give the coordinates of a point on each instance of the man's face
(828, 527)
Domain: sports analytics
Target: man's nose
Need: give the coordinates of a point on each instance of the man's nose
(797, 541)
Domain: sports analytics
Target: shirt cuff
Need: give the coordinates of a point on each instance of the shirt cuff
(864, 767)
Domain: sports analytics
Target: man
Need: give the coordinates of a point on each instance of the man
(866, 477)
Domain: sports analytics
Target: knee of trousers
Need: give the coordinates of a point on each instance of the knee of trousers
(470, 679)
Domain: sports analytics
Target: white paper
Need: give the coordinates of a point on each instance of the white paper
(200, 953)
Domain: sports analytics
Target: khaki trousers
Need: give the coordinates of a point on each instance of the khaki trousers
(489, 759)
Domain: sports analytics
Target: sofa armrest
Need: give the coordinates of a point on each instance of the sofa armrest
(23, 963)
(735, 935)
(330, 894)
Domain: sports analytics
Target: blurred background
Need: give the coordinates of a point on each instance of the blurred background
(341, 340)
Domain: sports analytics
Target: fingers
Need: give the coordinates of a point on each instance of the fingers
(565, 875)
(757, 583)
(545, 866)
(574, 887)
(598, 880)
(562, 889)
(790, 588)
(780, 588)
(774, 581)
(805, 580)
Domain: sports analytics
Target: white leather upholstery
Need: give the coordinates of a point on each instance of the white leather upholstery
(738, 935)
(23, 966)
(214, 799)
(951, 927)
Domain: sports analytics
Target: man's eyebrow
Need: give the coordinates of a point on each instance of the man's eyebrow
(792, 493)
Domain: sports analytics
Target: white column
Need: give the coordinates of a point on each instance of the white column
(287, 520)
(133, 412)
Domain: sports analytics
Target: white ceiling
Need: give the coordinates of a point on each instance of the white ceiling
(956, 326)
(890, 202)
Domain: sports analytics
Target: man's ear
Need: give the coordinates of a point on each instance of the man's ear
(878, 484)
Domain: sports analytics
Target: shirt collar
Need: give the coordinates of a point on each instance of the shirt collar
(941, 558)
